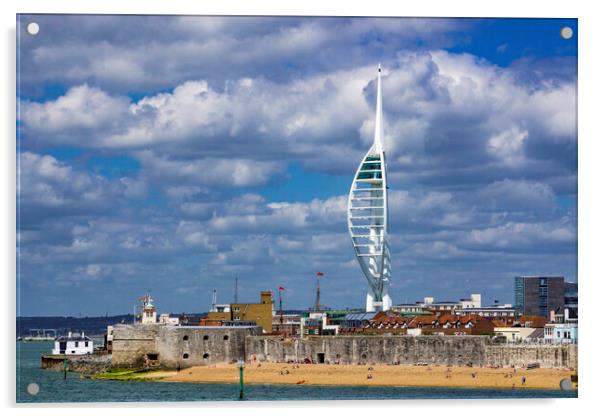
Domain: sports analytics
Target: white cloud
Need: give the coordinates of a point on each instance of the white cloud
(508, 146)
(81, 109)
(516, 196)
(46, 182)
(520, 235)
(438, 106)
(212, 172)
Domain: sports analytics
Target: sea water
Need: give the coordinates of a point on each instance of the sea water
(54, 388)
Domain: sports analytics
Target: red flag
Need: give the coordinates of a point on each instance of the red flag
(319, 274)
(280, 288)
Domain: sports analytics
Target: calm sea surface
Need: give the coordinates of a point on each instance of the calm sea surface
(53, 388)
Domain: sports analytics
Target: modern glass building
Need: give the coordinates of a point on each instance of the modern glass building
(367, 217)
(571, 298)
(538, 295)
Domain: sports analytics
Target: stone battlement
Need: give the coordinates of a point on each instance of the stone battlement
(441, 350)
(166, 346)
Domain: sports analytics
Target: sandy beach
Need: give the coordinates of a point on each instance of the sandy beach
(369, 375)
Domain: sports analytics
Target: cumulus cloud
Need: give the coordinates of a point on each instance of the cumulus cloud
(128, 53)
(45, 182)
(212, 172)
(218, 118)
(444, 109)
(79, 114)
(518, 236)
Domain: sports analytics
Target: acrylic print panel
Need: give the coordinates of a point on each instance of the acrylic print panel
(295, 208)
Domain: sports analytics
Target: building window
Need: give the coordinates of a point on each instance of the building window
(226, 337)
(206, 355)
(185, 338)
(205, 337)
(185, 356)
(86, 344)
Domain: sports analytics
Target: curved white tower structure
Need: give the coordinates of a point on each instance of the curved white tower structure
(367, 217)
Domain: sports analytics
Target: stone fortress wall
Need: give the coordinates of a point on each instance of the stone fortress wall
(442, 350)
(172, 346)
(185, 346)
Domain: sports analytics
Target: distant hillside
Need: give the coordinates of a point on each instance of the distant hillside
(92, 326)
(63, 324)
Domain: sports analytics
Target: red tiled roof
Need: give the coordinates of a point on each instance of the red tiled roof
(443, 319)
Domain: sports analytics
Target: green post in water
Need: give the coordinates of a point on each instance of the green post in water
(65, 368)
(241, 366)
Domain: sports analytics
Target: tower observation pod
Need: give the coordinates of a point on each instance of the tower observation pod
(367, 217)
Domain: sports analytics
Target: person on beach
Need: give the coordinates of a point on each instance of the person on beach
(524, 380)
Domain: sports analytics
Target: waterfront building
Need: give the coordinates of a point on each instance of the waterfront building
(526, 329)
(571, 298)
(410, 308)
(261, 313)
(428, 305)
(287, 324)
(73, 344)
(355, 322)
(561, 333)
(488, 312)
(167, 319)
(538, 295)
(473, 302)
(367, 216)
(319, 323)
(564, 316)
(513, 333)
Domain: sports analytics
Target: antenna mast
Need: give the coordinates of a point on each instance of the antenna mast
(318, 306)
(236, 290)
(214, 301)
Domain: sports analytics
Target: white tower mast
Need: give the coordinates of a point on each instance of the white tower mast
(367, 217)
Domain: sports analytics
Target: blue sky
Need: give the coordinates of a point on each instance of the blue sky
(176, 160)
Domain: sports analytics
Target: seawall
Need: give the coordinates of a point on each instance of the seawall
(549, 356)
(165, 346)
(85, 364)
(442, 350)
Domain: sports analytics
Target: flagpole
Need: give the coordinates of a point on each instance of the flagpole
(280, 300)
